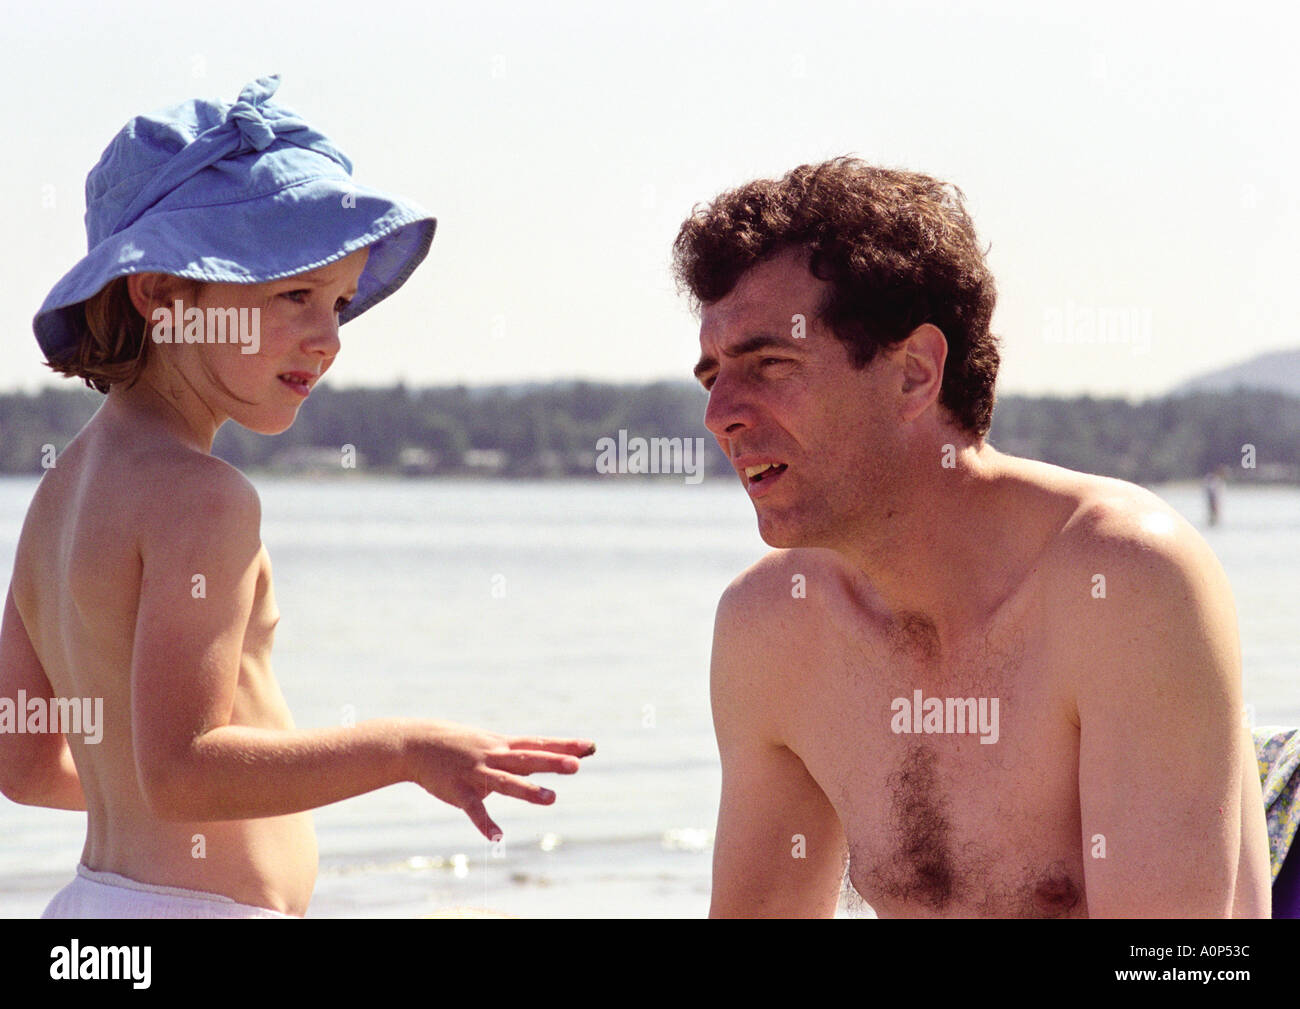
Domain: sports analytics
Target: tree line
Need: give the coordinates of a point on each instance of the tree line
(552, 430)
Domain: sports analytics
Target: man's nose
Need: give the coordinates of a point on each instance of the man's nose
(729, 411)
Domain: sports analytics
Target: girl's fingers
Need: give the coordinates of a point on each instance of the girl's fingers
(517, 788)
(527, 762)
(478, 816)
(572, 747)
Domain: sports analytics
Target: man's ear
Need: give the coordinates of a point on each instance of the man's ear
(923, 354)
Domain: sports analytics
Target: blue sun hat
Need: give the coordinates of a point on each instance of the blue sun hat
(241, 194)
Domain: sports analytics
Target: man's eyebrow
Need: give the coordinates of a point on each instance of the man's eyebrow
(750, 345)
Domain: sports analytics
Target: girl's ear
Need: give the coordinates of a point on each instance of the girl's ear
(149, 291)
(145, 291)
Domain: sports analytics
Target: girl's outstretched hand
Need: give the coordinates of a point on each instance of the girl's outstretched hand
(462, 766)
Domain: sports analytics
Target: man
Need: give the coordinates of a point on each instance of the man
(996, 687)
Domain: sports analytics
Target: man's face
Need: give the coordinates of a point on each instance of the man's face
(784, 394)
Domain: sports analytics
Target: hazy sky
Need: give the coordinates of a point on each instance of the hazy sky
(1132, 171)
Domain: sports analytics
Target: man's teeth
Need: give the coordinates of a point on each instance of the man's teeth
(755, 472)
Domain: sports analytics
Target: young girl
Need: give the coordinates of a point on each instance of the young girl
(227, 245)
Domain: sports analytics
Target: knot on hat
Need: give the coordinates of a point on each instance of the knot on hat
(221, 193)
(153, 170)
(248, 118)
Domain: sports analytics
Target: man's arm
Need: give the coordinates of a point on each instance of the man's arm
(1160, 739)
(193, 763)
(779, 850)
(36, 769)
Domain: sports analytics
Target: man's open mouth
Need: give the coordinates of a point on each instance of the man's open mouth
(756, 474)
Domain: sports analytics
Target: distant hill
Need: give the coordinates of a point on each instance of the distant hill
(1278, 371)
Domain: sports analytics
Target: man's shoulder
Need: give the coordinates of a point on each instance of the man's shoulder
(1134, 586)
(766, 589)
(773, 625)
(1102, 520)
(782, 616)
(1128, 530)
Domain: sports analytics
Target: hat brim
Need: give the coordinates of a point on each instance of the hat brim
(320, 219)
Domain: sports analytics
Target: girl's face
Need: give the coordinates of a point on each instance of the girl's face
(280, 337)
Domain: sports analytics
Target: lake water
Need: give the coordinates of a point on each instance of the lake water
(580, 608)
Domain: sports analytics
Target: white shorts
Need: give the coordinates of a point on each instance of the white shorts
(107, 895)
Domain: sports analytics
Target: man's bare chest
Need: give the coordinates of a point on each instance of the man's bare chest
(955, 776)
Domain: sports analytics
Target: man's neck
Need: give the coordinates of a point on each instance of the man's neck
(941, 556)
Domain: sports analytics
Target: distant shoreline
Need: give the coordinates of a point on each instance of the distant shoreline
(553, 432)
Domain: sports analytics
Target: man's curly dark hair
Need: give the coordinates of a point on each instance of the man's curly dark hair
(898, 249)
